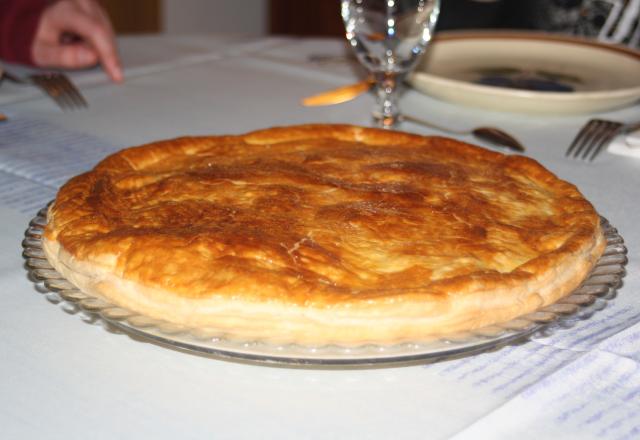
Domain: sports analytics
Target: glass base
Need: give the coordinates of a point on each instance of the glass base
(386, 114)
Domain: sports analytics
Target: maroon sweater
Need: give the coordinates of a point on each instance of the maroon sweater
(18, 23)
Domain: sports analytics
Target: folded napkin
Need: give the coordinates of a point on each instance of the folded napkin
(626, 144)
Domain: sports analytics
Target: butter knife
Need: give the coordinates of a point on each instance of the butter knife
(338, 95)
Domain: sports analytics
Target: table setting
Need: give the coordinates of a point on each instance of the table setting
(76, 362)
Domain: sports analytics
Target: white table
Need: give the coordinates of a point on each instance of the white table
(62, 377)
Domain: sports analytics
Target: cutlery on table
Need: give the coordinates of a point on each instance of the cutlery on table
(340, 94)
(595, 135)
(492, 135)
(55, 84)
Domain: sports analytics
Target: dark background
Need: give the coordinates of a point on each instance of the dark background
(322, 17)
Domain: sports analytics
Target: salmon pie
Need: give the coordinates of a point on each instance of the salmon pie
(320, 234)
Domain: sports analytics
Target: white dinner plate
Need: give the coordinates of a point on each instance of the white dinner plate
(529, 72)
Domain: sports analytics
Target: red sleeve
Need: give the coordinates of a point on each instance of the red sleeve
(18, 23)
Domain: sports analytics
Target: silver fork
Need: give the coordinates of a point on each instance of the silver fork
(59, 87)
(56, 85)
(594, 135)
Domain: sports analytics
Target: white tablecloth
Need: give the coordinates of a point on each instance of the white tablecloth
(63, 377)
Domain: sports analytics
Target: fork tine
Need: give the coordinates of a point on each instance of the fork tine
(74, 93)
(582, 138)
(58, 87)
(598, 135)
(51, 89)
(612, 131)
(62, 89)
(67, 91)
(583, 134)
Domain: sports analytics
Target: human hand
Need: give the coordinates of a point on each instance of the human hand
(92, 39)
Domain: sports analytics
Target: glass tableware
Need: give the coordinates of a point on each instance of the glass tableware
(593, 294)
(388, 37)
(462, 64)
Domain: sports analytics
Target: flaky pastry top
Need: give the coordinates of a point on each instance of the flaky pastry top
(319, 215)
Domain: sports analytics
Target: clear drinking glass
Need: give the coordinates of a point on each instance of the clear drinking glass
(388, 37)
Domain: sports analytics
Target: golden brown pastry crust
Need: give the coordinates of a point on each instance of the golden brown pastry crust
(323, 234)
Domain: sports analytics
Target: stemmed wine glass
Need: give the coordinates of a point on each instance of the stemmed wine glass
(388, 37)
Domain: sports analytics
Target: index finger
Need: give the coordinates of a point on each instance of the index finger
(101, 38)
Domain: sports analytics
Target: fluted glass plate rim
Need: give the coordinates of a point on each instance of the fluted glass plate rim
(594, 293)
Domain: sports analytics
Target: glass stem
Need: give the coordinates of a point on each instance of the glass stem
(386, 113)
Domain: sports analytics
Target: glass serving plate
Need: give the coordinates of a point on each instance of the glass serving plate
(598, 288)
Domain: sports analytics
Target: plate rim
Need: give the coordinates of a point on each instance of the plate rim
(492, 34)
(627, 94)
(331, 355)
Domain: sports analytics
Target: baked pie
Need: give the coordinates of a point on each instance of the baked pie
(320, 234)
